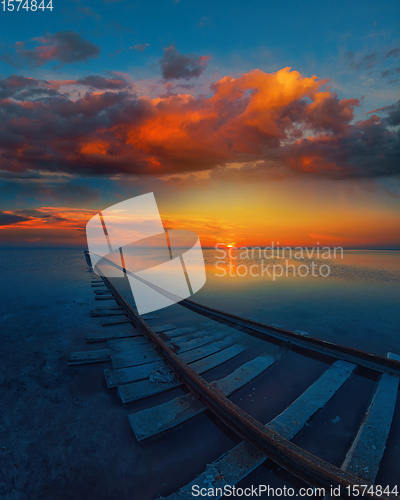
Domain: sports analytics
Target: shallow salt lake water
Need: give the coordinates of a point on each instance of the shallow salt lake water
(64, 434)
(357, 304)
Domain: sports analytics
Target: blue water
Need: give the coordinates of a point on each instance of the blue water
(65, 435)
(351, 298)
(357, 304)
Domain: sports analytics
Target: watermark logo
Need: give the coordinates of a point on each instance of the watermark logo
(163, 266)
(275, 261)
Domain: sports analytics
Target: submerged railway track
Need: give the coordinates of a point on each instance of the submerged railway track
(150, 360)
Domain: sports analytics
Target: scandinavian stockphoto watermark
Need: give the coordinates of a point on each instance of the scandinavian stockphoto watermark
(275, 261)
(163, 266)
(265, 490)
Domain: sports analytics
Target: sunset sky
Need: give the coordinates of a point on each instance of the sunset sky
(251, 122)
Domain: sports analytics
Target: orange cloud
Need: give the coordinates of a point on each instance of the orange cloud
(68, 225)
(94, 148)
(281, 118)
(231, 122)
(59, 225)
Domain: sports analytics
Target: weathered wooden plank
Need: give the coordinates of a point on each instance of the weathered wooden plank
(199, 333)
(198, 342)
(133, 347)
(295, 416)
(152, 421)
(121, 321)
(101, 314)
(204, 364)
(211, 348)
(163, 328)
(221, 472)
(249, 371)
(182, 338)
(109, 308)
(145, 388)
(237, 463)
(128, 343)
(147, 317)
(133, 358)
(180, 331)
(103, 335)
(137, 373)
(80, 358)
(132, 374)
(185, 336)
(365, 455)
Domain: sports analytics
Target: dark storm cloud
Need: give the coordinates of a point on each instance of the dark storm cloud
(393, 118)
(21, 88)
(365, 150)
(100, 83)
(28, 174)
(8, 219)
(68, 192)
(64, 47)
(175, 65)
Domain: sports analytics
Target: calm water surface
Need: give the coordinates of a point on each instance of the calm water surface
(65, 435)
